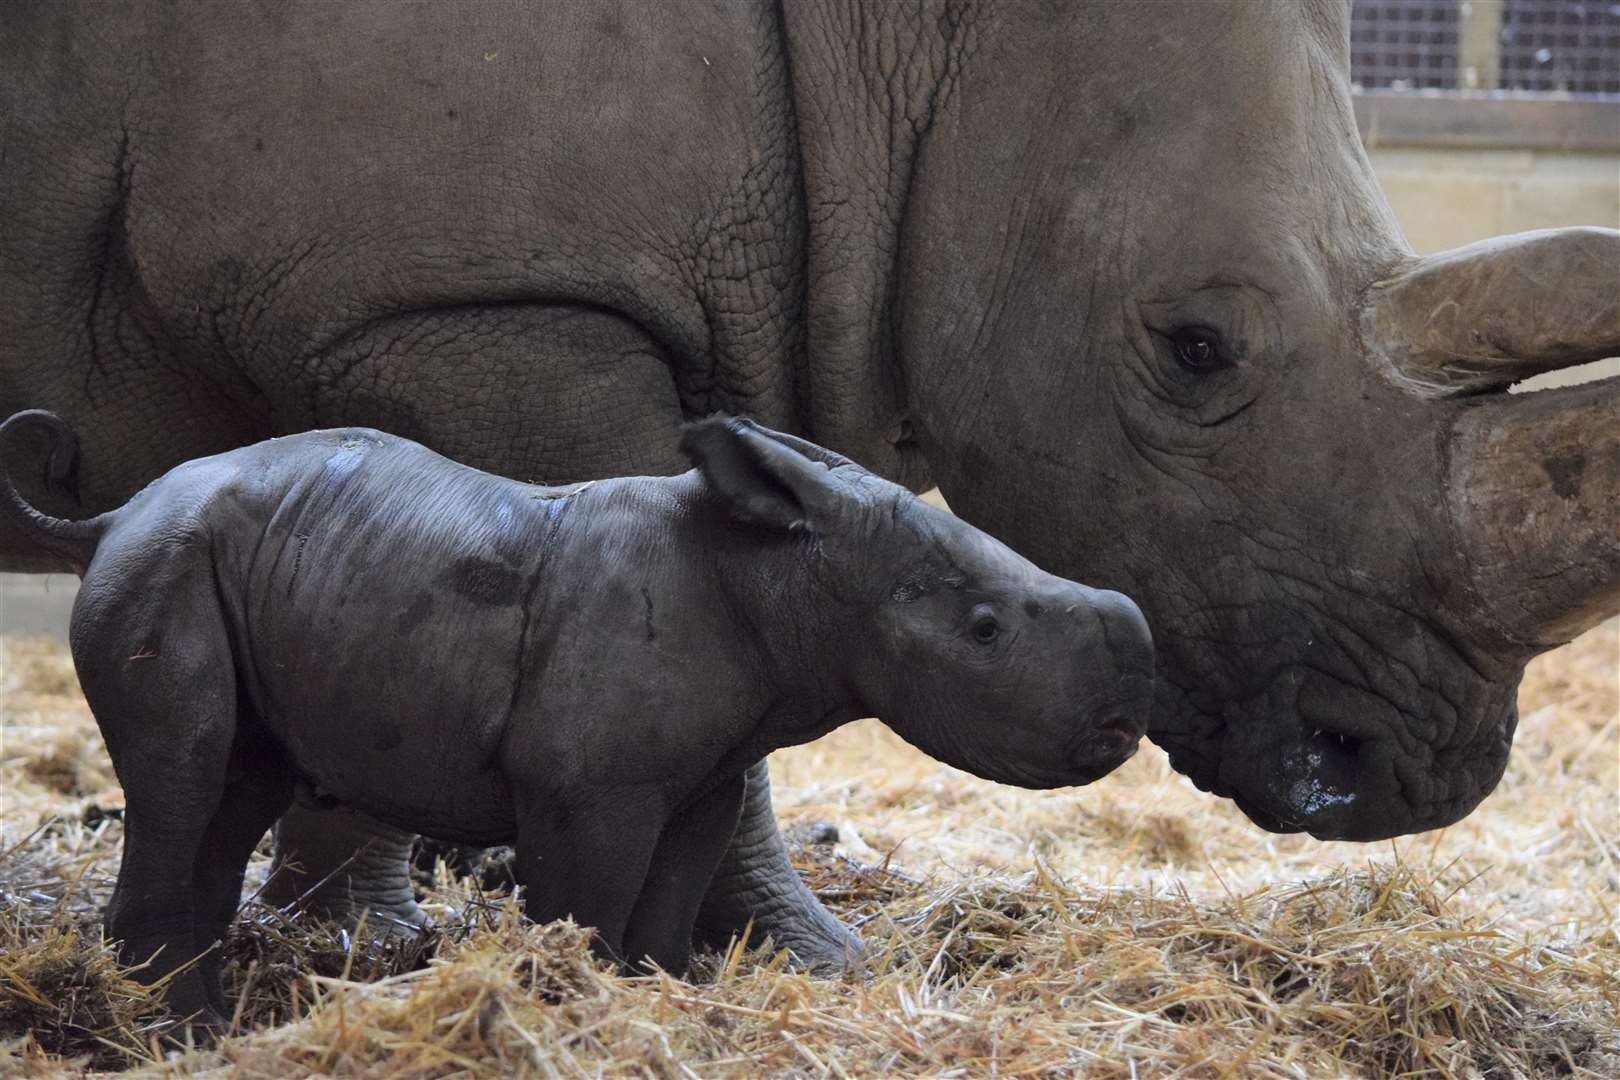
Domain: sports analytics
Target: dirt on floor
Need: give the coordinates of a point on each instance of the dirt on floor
(1132, 928)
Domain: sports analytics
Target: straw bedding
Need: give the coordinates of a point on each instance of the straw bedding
(1132, 928)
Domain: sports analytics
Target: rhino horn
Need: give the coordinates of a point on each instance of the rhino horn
(1533, 480)
(1534, 494)
(1480, 317)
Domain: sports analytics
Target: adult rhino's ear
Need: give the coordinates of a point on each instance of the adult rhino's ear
(761, 480)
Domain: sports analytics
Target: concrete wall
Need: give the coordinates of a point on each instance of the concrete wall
(1448, 197)
(36, 603)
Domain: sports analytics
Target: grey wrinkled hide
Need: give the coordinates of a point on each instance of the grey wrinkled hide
(1116, 275)
(586, 673)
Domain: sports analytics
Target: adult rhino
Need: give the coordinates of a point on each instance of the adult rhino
(1119, 280)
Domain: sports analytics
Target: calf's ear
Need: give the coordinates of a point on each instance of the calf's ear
(761, 480)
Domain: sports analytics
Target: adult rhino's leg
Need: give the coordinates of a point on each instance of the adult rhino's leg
(756, 881)
(337, 864)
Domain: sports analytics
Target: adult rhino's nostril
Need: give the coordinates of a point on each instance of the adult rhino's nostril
(1336, 740)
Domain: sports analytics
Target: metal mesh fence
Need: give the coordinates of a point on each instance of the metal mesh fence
(1562, 45)
(1404, 44)
(1568, 47)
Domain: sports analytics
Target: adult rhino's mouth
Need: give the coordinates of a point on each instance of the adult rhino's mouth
(1315, 753)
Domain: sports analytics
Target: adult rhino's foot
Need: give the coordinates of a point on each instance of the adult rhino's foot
(337, 864)
(756, 881)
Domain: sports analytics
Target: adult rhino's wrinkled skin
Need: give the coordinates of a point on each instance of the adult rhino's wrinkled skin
(583, 672)
(1117, 276)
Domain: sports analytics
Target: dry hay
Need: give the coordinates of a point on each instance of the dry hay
(1133, 928)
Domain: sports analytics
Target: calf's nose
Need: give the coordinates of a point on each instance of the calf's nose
(1125, 632)
(1127, 687)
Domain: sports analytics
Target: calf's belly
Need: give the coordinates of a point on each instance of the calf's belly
(395, 710)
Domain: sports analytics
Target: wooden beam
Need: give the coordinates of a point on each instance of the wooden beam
(1479, 44)
(1454, 119)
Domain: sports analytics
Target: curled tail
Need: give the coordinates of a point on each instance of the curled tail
(75, 541)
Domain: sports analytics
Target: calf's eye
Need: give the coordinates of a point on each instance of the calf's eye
(985, 629)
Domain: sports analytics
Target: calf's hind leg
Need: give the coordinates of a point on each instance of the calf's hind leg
(155, 665)
(258, 789)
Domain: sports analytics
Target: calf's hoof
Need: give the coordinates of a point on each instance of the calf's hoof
(201, 1030)
(194, 1002)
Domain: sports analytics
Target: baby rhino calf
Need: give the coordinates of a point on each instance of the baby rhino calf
(584, 673)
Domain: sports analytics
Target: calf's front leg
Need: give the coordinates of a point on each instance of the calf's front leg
(682, 866)
(587, 858)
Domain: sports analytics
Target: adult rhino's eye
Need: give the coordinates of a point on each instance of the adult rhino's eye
(1197, 350)
(985, 629)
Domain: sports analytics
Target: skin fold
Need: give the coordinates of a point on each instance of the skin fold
(1118, 278)
(586, 673)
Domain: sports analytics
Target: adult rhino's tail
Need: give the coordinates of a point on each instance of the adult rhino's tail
(74, 541)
